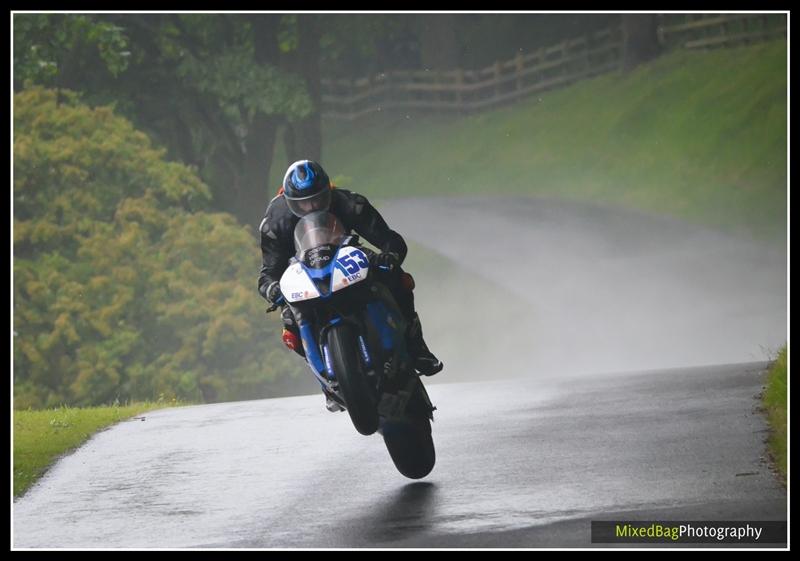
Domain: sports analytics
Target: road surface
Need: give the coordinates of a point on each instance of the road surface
(519, 465)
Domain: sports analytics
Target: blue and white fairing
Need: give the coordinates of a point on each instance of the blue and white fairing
(348, 267)
(322, 266)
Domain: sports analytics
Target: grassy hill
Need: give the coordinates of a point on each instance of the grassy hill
(699, 135)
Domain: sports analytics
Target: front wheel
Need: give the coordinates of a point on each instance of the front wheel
(358, 395)
(408, 438)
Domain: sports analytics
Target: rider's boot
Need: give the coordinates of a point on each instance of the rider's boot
(331, 404)
(291, 334)
(424, 360)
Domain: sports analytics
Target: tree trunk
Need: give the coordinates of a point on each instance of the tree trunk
(290, 144)
(640, 39)
(438, 42)
(254, 191)
(303, 138)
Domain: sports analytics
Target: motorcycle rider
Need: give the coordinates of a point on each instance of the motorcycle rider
(307, 188)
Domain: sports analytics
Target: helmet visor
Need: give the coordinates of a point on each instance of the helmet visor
(312, 203)
(317, 229)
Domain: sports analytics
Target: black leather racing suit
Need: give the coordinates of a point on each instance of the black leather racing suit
(356, 214)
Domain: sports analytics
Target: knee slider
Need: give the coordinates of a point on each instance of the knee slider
(288, 318)
(407, 282)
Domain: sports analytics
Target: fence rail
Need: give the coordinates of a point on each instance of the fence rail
(705, 31)
(465, 91)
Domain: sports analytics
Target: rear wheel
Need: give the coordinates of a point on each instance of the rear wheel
(358, 394)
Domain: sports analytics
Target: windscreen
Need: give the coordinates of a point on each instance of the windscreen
(316, 229)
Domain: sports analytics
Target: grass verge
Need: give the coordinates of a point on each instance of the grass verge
(697, 135)
(775, 405)
(41, 437)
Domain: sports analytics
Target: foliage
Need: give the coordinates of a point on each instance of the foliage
(124, 288)
(355, 45)
(192, 82)
(42, 43)
(238, 83)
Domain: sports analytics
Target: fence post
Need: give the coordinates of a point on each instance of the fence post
(372, 103)
(497, 71)
(747, 31)
(459, 85)
(587, 49)
(660, 31)
(520, 66)
(386, 93)
(725, 28)
(541, 57)
(684, 34)
(348, 105)
(392, 90)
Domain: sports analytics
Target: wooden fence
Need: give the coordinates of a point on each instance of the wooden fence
(464, 91)
(707, 31)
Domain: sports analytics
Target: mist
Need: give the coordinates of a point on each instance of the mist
(538, 288)
(680, 115)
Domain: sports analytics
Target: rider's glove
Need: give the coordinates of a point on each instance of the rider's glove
(274, 294)
(387, 261)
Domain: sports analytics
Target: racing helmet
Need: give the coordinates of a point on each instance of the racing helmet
(306, 188)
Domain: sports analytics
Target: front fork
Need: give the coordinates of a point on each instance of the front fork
(387, 334)
(317, 353)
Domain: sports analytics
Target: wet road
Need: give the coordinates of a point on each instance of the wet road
(519, 465)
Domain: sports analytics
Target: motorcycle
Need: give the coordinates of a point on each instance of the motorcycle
(353, 335)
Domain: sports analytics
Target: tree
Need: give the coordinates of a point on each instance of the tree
(215, 90)
(640, 39)
(303, 138)
(438, 42)
(125, 286)
(48, 47)
(208, 87)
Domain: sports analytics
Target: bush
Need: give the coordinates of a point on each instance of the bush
(124, 286)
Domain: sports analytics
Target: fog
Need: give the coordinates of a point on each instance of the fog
(542, 288)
